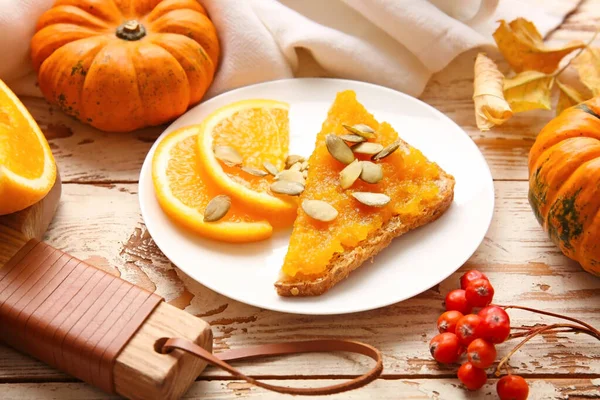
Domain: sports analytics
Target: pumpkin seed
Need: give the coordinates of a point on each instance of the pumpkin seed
(254, 171)
(371, 199)
(350, 174)
(389, 149)
(367, 148)
(270, 168)
(292, 159)
(290, 175)
(305, 174)
(361, 129)
(371, 173)
(296, 167)
(228, 155)
(287, 187)
(304, 165)
(353, 138)
(319, 210)
(217, 208)
(339, 149)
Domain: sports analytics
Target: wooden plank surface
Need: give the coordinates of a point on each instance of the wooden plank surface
(525, 267)
(425, 389)
(99, 221)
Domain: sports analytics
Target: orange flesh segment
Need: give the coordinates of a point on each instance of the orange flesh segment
(193, 187)
(20, 151)
(241, 131)
(408, 179)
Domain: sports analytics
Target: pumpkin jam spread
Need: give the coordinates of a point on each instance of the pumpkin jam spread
(408, 179)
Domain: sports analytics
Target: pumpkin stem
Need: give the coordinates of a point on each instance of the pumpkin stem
(131, 30)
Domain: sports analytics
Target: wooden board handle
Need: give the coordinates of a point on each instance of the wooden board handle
(95, 326)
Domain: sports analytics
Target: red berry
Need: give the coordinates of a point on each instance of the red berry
(470, 276)
(512, 387)
(481, 354)
(479, 293)
(456, 300)
(445, 348)
(467, 328)
(447, 321)
(495, 324)
(471, 376)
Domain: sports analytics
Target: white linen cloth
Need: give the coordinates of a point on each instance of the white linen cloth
(394, 43)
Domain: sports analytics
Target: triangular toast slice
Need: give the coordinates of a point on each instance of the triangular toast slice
(321, 254)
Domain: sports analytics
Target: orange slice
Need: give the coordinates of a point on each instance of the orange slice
(183, 189)
(27, 168)
(258, 130)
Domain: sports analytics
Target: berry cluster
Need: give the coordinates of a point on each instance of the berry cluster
(477, 334)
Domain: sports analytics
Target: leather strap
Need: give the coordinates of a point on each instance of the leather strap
(219, 360)
(69, 314)
(78, 318)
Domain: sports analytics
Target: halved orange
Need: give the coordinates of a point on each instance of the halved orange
(183, 189)
(259, 130)
(27, 167)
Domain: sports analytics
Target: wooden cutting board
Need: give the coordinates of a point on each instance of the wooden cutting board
(140, 371)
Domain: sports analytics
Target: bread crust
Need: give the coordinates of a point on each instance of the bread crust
(343, 263)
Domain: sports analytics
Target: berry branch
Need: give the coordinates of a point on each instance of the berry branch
(577, 321)
(537, 331)
(477, 334)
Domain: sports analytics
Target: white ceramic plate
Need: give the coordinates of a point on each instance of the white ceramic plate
(410, 265)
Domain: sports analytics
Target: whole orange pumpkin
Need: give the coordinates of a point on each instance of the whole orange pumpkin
(120, 65)
(564, 182)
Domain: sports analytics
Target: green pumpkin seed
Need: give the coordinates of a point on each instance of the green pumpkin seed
(287, 187)
(253, 171)
(367, 148)
(339, 149)
(386, 151)
(228, 155)
(371, 199)
(350, 174)
(290, 175)
(371, 173)
(292, 159)
(319, 210)
(217, 208)
(361, 129)
(353, 138)
(270, 168)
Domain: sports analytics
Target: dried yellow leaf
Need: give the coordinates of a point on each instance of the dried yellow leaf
(588, 67)
(490, 106)
(523, 47)
(528, 90)
(568, 97)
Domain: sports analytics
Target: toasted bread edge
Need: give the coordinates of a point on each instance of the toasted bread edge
(343, 263)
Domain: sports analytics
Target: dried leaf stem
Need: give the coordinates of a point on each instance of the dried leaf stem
(581, 50)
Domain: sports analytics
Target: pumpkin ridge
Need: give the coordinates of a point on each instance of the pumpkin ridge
(137, 81)
(95, 8)
(73, 15)
(189, 65)
(537, 194)
(563, 211)
(548, 183)
(204, 38)
(588, 110)
(169, 5)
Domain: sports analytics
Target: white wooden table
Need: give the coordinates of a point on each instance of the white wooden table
(99, 221)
